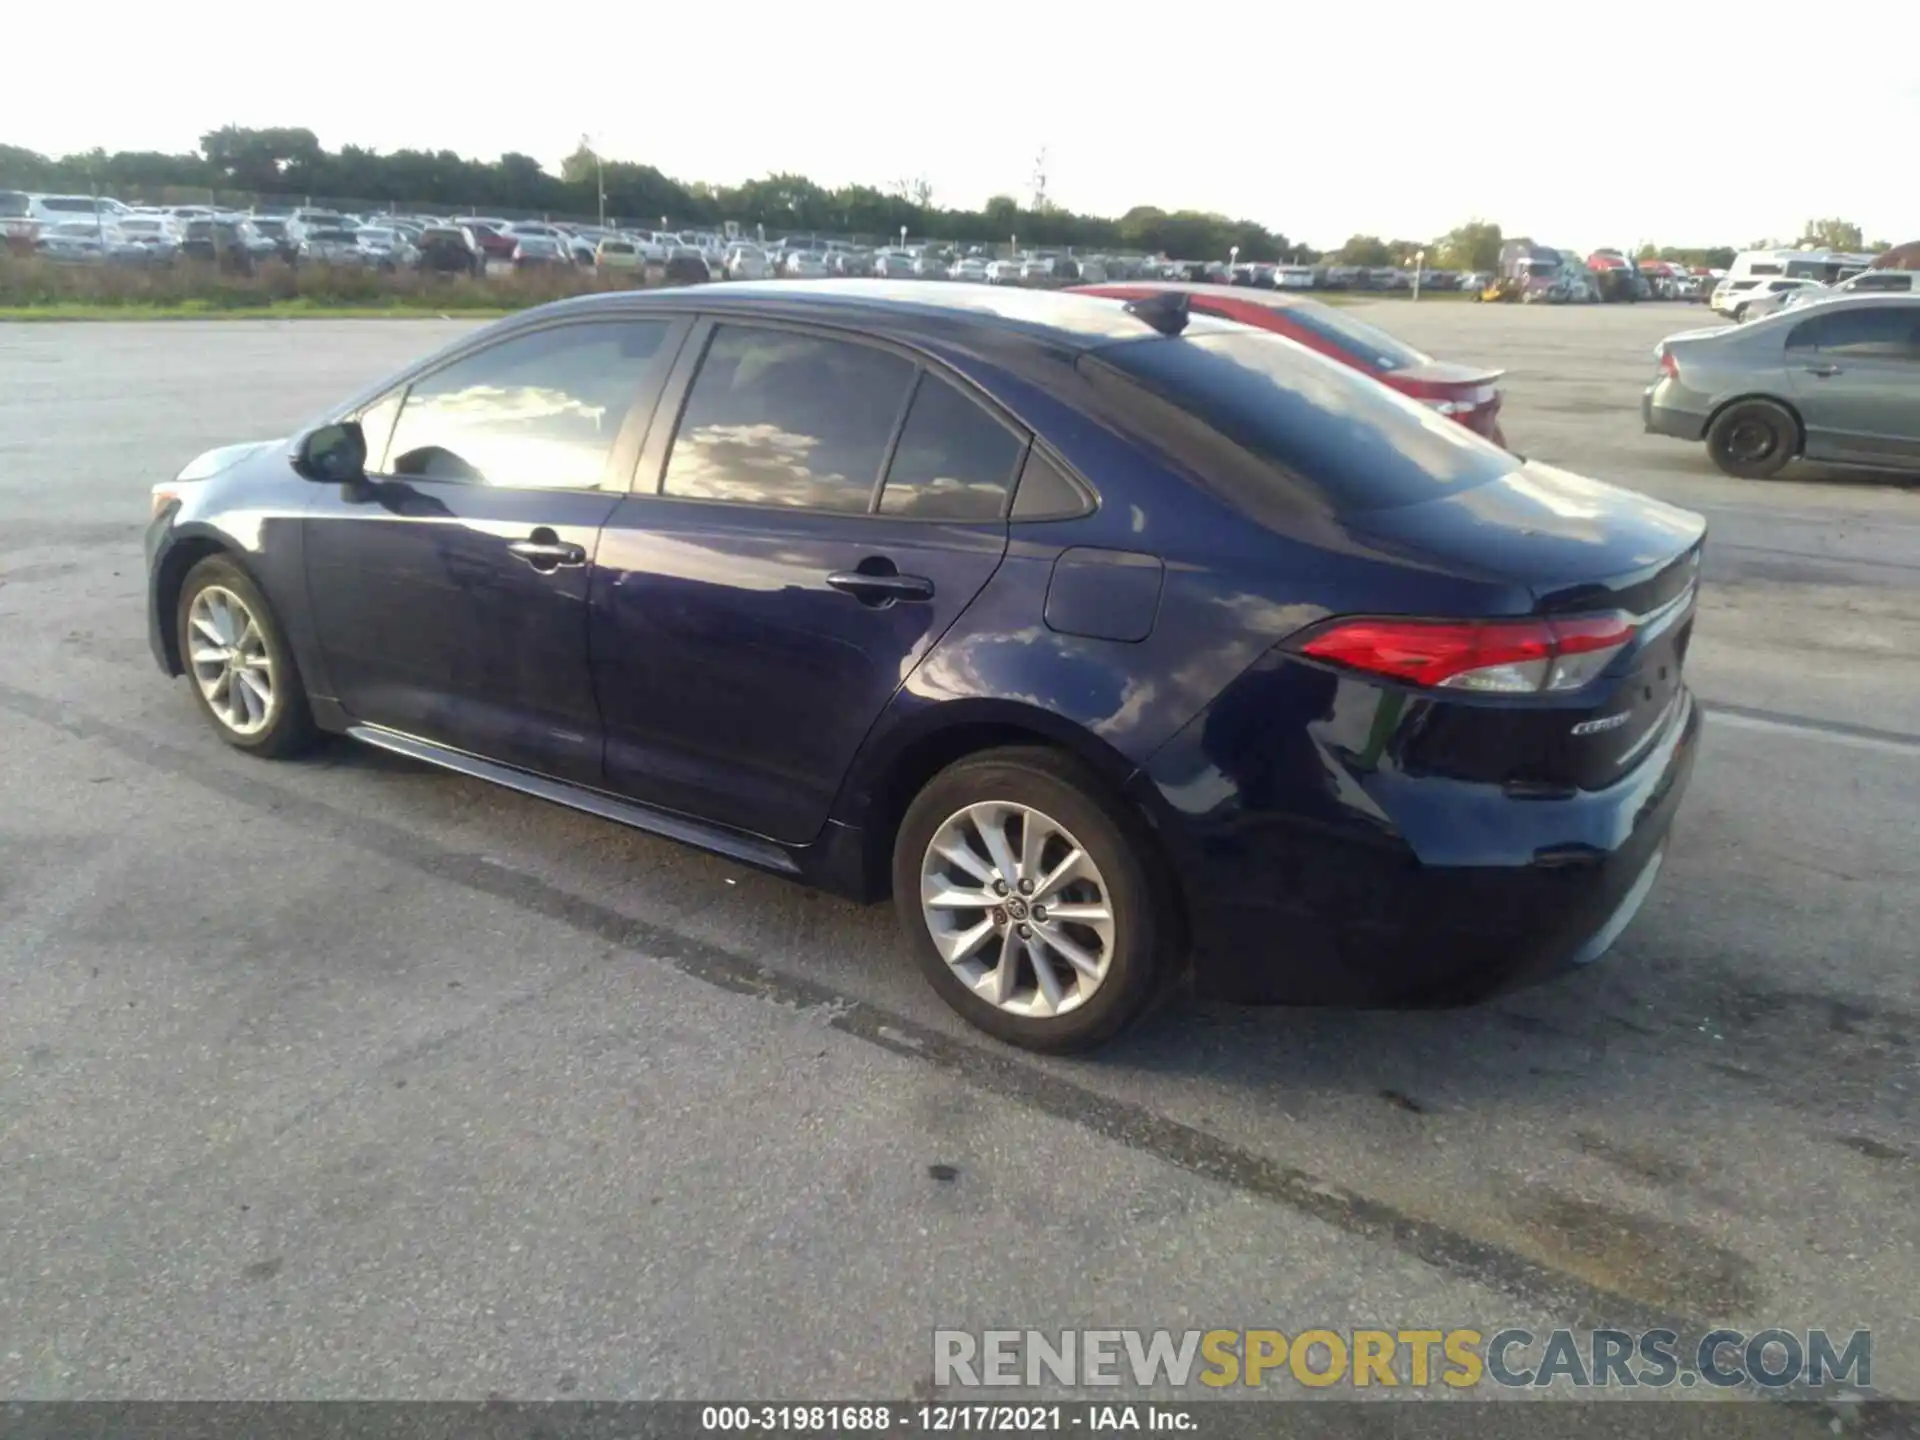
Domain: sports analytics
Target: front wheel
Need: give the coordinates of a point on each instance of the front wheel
(243, 673)
(1753, 439)
(1032, 900)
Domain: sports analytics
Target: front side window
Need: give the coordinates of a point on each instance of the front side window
(954, 460)
(784, 419)
(538, 411)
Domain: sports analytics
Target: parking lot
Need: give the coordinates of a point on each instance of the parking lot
(348, 1077)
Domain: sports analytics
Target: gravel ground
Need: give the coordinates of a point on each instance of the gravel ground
(350, 1078)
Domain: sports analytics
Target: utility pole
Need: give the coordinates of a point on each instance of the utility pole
(1040, 181)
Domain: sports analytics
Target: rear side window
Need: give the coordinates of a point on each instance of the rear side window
(1894, 281)
(14, 203)
(954, 461)
(1866, 332)
(536, 411)
(780, 418)
(1272, 427)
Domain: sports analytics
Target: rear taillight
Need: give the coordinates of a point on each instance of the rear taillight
(1499, 657)
(1669, 366)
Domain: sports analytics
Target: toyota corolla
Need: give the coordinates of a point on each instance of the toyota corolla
(1111, 641)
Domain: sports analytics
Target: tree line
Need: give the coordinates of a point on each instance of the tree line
(289, 164)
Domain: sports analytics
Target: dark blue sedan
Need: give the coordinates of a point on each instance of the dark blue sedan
(1113, 642)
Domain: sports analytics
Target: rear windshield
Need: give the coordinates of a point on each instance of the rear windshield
(1288, 426)
(1368, 344)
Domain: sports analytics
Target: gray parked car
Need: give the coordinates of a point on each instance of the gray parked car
(1838, 381)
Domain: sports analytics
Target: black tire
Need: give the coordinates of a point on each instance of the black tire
(1753, 439)
(1740, 314)
(289, 726)
(1137, 892)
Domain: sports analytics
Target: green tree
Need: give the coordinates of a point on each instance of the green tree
(1833, 235)
(262, 159)
(1472, 246)
(1364, 250)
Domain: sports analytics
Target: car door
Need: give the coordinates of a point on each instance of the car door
(1855, 373)
(449, 590)
(822, 511)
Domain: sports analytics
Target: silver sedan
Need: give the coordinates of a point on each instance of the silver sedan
(1837, 382)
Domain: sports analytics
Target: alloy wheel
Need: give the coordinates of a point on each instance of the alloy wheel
(1752, 441)
(230, 661)
(1017, 908)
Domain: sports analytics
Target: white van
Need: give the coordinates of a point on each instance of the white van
(1754, 267)
(59, 209)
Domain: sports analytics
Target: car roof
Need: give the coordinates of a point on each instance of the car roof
(1200, 290)
(1072, 321)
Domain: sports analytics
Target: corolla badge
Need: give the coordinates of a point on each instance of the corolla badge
(1605, 722)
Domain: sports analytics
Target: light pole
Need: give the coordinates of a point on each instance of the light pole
(1233, 259)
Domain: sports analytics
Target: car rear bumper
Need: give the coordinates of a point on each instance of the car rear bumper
(1485, 893)
(1659, 416)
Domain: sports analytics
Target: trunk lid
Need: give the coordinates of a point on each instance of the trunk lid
(1581, 547)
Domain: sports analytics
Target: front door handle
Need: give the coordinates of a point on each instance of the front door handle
(881, 589)
(1823, 370)
(545, 551)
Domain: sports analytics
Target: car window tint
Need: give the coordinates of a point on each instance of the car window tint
(1894, 280)
(1272, 427)
(954, 460)
(1368, 345)
(780, 418)
(538, 411)
(1879, 332)
(1045, 493)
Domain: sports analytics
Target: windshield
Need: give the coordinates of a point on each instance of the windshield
(270, 227)
(1288, 426)
(378, 237)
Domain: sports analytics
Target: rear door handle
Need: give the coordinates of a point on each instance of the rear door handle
(544, 550)
(1823, 371)
(881, 589)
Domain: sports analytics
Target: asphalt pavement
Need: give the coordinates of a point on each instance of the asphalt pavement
(346, 1077)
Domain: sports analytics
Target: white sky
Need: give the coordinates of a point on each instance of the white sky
(1581, 125)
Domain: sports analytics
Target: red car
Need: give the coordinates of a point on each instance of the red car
(1466, 392)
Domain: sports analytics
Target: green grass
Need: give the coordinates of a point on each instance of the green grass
(34, 288)
(191, 310)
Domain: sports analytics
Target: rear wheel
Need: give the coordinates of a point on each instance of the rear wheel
(1753, 439)
(1031, 900)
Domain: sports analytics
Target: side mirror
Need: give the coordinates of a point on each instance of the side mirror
(332, 454)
